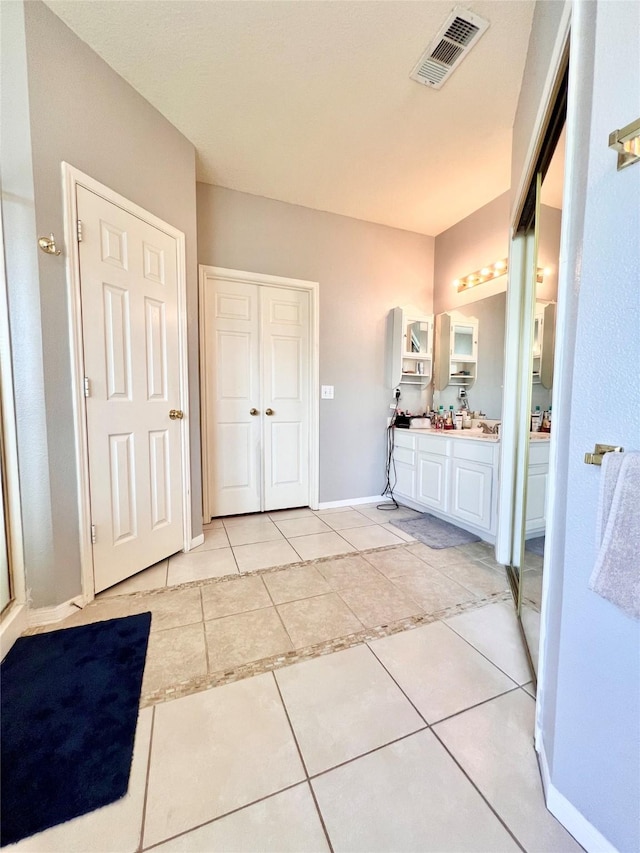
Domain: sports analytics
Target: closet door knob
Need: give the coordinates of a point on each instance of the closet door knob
(254, 412)
(176, 415)
(269, 412)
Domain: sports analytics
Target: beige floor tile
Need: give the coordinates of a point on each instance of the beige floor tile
(384, 516)
(294, 583)
(115, 827)
(265, 555)
(283, 823)
(245, 637)
(301, 526)
(330, 510)
(379, 602)
(477, 550)
(406, 537)
(508, 778)
(433, 591)
(440, 672)
(299, 512)
(408, 796)
(248, 534)
(249, 518)
(174, 656)
(319, 545)
(97, 611)
(477, 577)
(217, 751)
(214, 537)
(348, 572)
(155, 577)
(172, 608)
(214, 524)
(530, 689)
(493, 630)
(315, 620)
(374, 536)
(436, 557)
(342, 706)
(344, 520)
(234, 596)
(396, 562)
(216, 563)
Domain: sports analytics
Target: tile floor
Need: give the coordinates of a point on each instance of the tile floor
(344, 689)
(418, 741)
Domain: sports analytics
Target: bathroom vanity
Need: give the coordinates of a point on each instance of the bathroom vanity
(455, 475)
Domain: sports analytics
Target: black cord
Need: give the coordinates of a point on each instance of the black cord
(390, 463)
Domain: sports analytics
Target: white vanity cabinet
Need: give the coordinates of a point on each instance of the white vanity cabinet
(410, 347)
(456, 350)
(537, 484)
(454, 478)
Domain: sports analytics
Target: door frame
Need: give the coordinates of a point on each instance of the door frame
(71, 179)
(313, 289)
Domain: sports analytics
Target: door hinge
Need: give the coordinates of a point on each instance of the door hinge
(79, 230)
(87, 386)
(93, 534)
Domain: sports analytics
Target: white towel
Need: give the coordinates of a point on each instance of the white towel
(616, 574)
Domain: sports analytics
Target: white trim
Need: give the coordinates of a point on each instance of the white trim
(49, 615)
(14, 622)
(72, 178)
(568, 815)
(196, 541)
(313, 288)
(372, 499)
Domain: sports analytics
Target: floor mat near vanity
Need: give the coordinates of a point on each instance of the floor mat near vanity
(434, 532)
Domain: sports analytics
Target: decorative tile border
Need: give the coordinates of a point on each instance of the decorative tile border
(338, 644)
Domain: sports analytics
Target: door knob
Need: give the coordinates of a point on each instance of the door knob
(269, 412)
(176, 414)
(254, 412)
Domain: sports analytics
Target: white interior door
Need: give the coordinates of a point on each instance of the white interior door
(232, 396)
(256, 396)
(285, 396)
(128, 272)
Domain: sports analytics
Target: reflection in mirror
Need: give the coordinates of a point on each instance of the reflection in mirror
(417, 338)
(548, 224)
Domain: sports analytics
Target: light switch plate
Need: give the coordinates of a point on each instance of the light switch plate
(326, 392)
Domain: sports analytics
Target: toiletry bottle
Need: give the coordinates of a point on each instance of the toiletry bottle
(536, 419)
(448, 424)
(459, 419)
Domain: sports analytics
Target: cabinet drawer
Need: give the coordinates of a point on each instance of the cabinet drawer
(403, 438)
(433, 444)
(404, 455)
(538, 452)
(474, 451)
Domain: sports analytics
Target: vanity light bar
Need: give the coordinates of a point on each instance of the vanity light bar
(490, 272)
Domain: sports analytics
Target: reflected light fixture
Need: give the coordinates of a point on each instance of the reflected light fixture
(488, 273)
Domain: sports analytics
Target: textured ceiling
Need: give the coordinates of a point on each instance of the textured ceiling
(311, 102)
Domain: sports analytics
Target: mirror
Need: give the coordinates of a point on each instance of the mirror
(547, 227)
(417, 338)
(485, 392)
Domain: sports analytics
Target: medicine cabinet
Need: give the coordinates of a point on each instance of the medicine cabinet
(544, 326)
(411, 350)
(456, 358)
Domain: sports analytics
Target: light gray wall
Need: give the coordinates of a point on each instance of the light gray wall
(83, 113)
(591, 686)
(364, 270)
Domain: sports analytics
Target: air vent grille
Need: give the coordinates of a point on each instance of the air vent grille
(446, 52)
(461, 31)
(456, 37)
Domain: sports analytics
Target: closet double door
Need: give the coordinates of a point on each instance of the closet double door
(256, 389)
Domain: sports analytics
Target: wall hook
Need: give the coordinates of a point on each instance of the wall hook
(48, 245)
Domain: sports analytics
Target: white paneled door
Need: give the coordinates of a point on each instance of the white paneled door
(128, 273)
(256, 354)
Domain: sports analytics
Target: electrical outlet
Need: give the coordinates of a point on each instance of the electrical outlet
(326, 392)
(392, 405)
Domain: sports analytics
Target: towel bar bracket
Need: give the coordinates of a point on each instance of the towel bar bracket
(599, 451)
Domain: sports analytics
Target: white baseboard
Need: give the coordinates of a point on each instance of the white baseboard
(568, 815)
(14, 622)
(373, 499)
(197, 540)
(48, 615)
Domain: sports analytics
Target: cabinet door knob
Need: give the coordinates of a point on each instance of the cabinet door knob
(176, 414)
(269, 412)
(254, 412)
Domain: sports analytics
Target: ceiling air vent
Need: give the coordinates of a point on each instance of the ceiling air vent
(459, 33)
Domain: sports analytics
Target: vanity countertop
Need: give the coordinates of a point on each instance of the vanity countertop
(471, 434)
